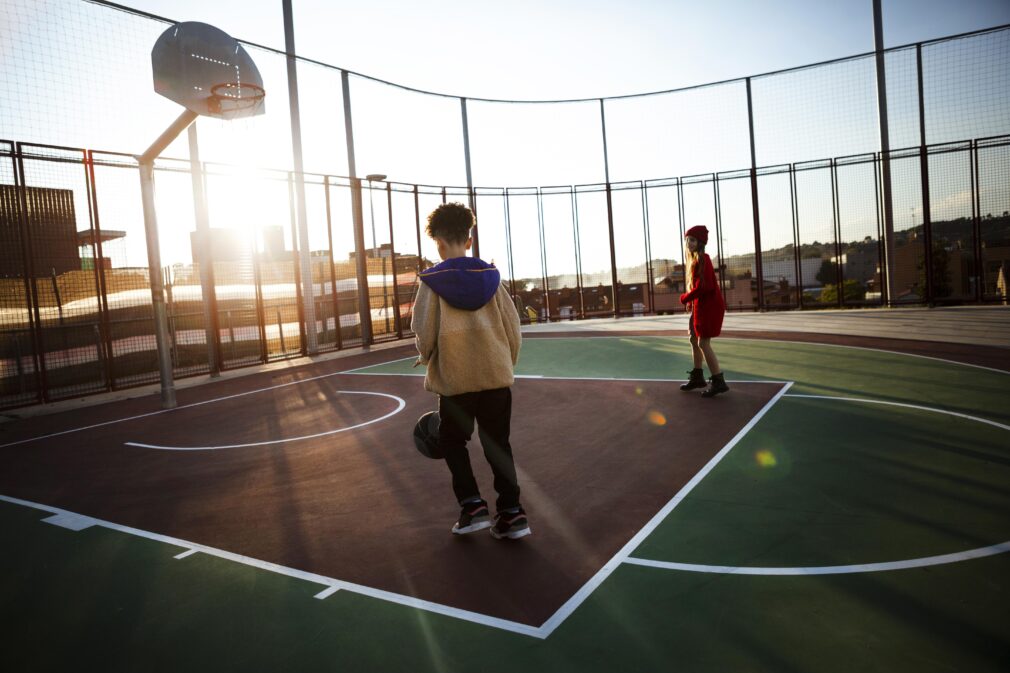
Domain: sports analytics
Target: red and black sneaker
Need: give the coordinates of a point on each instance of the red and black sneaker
(473, 516)
(512, 525)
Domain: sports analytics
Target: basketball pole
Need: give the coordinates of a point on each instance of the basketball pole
(146, 163)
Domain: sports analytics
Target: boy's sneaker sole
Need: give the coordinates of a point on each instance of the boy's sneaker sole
(511, 534)
(475, 525)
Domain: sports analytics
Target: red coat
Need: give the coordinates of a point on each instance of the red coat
(705, 300)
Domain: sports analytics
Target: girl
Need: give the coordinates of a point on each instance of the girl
(704, 301)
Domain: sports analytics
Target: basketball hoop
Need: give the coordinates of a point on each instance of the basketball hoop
(235, 99)
(188, 62)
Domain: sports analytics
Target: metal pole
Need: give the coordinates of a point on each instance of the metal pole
(976, 216)
(375, 253)
(105, 339)
(758, 269)
(927, 220)
(333, 268)
(157, 288)
(146, 165)
(469, 175)
(798, 279)
(203, 253)
(392, 258)
(361, 269)
(543, 254)
(718, 234)
(31, 288)
(649, 271)
(885, 151)
(610, 213)
(308, 301)
(837, 227)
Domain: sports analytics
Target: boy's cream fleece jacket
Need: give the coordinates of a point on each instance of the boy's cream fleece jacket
(466, 351)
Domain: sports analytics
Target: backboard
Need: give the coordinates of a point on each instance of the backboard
(207, 71)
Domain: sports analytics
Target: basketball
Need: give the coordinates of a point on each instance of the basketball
(426, 435)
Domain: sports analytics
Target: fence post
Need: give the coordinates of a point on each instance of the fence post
(885, 152)
(31, 291)
(927, 222)
(204, 252)
(610, 215)
(361, 268)
(758, 269)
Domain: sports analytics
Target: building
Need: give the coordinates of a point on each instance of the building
(51, 225)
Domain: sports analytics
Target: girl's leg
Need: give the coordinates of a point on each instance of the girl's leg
(697, 352)
(705, 347)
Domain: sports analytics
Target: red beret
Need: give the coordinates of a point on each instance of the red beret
(699, 232)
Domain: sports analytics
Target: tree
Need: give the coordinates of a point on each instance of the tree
(828, 273)
(941, 272)
(853, 291)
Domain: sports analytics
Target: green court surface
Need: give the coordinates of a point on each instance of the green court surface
(861, 524)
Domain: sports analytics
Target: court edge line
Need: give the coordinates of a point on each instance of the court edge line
(541, 632)
(906, 405)
(624, 553)
(923, 562)
(790, 341)
(329, 582)
(399, 408)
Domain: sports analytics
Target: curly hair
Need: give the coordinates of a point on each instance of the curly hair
(450, 221)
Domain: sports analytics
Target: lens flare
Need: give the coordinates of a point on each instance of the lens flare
(765, 458)
(656, 418)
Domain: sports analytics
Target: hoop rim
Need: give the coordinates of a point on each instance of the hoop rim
(219, 93)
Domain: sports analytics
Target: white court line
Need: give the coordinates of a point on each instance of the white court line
(541, 632)
(179, 408)
(877, 350)
(408, 601)
(857, 568)
(73, 522)
(788, 341)
(907, 406)
(572, 378)
(188, 552)
(326, 593)
(379, 364)
(400, 405)
(981, 552)
(621, 556)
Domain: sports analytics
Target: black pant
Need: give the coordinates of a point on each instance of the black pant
(492, 410)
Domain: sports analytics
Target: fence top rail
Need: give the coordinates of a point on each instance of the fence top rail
(108, 158)
(993, 141)
(812, 165)
(737, 80)
(734, 174)
(851, 159)
(661, 182)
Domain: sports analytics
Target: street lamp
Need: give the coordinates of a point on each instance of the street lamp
(378, 177)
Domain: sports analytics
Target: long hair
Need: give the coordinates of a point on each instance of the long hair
(691, 261)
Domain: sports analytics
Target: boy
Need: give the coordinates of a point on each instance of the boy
(467, 333)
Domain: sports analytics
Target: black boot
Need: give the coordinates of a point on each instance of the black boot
(697, 380)
(716, 385)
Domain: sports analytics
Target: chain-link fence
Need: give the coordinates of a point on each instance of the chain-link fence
(785, 169)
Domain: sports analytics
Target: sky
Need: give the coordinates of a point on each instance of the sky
(61, 86)
(562, 49)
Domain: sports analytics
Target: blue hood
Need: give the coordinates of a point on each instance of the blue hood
(465, 282)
